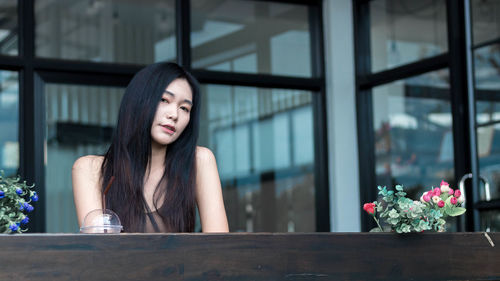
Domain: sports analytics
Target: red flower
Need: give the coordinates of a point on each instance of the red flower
(441, 204)
(453, 200)
(369, 208)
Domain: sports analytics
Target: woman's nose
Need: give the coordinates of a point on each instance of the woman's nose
(172, 113)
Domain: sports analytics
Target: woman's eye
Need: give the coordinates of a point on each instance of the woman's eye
(164, 100)
(185, 108)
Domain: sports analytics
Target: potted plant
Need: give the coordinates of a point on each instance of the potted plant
(405, 215)
(15, 203)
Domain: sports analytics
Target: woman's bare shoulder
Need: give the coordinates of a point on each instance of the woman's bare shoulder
(209, 193)
(204, 155)
(86, 176)
(88, 164)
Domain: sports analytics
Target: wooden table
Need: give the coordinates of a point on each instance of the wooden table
(256, 256)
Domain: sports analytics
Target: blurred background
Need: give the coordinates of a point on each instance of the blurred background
(308, 106)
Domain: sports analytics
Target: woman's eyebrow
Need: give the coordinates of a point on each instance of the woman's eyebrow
(173, 95)
(170, 93)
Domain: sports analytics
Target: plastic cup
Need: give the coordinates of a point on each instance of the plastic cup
(101, 221)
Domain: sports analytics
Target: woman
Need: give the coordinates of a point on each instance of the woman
(157, 173)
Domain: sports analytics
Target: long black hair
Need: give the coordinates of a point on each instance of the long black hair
(129, 155)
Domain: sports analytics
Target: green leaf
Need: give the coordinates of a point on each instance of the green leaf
(393, 221)
(399, 187)
(444, 196)
(383, 191)
(456, 211)
(447, 210)
(375, 229)
(393, 213)
(447, 206)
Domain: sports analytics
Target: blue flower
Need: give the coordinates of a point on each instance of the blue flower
(13, 227)
(34, 197)
(19, 191)
(28, 207)
(2, 194)
(21, 207)
(25, 220)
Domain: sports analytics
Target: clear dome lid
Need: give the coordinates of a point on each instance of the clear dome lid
(101, 221)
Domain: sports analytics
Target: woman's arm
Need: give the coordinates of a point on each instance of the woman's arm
(209, 193)
(86, 185)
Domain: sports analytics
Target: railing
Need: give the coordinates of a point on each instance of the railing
(242, 256)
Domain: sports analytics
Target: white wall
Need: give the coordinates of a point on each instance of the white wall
(341, 113)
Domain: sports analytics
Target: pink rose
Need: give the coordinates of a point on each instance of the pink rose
(437, 191)
(441, 204)
(457, 193)
(451, 191)
(453, 200)
(427, 197)
(445, 187)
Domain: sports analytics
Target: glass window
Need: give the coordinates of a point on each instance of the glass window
(485, 20)
(405, 31)
(487, 83)
(413, 133)
(8, 27)
(106, 31)
(264, 144)
(79, 121)
(9, 122)
(490, 221)
(251, 37)
(486, 31)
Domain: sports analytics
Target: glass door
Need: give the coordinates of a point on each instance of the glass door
(485, 27)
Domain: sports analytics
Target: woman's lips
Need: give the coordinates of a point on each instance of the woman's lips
(169, 129)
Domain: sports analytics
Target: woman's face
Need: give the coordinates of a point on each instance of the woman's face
(173, 112)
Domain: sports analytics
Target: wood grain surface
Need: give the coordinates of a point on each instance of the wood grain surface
(256, 256)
